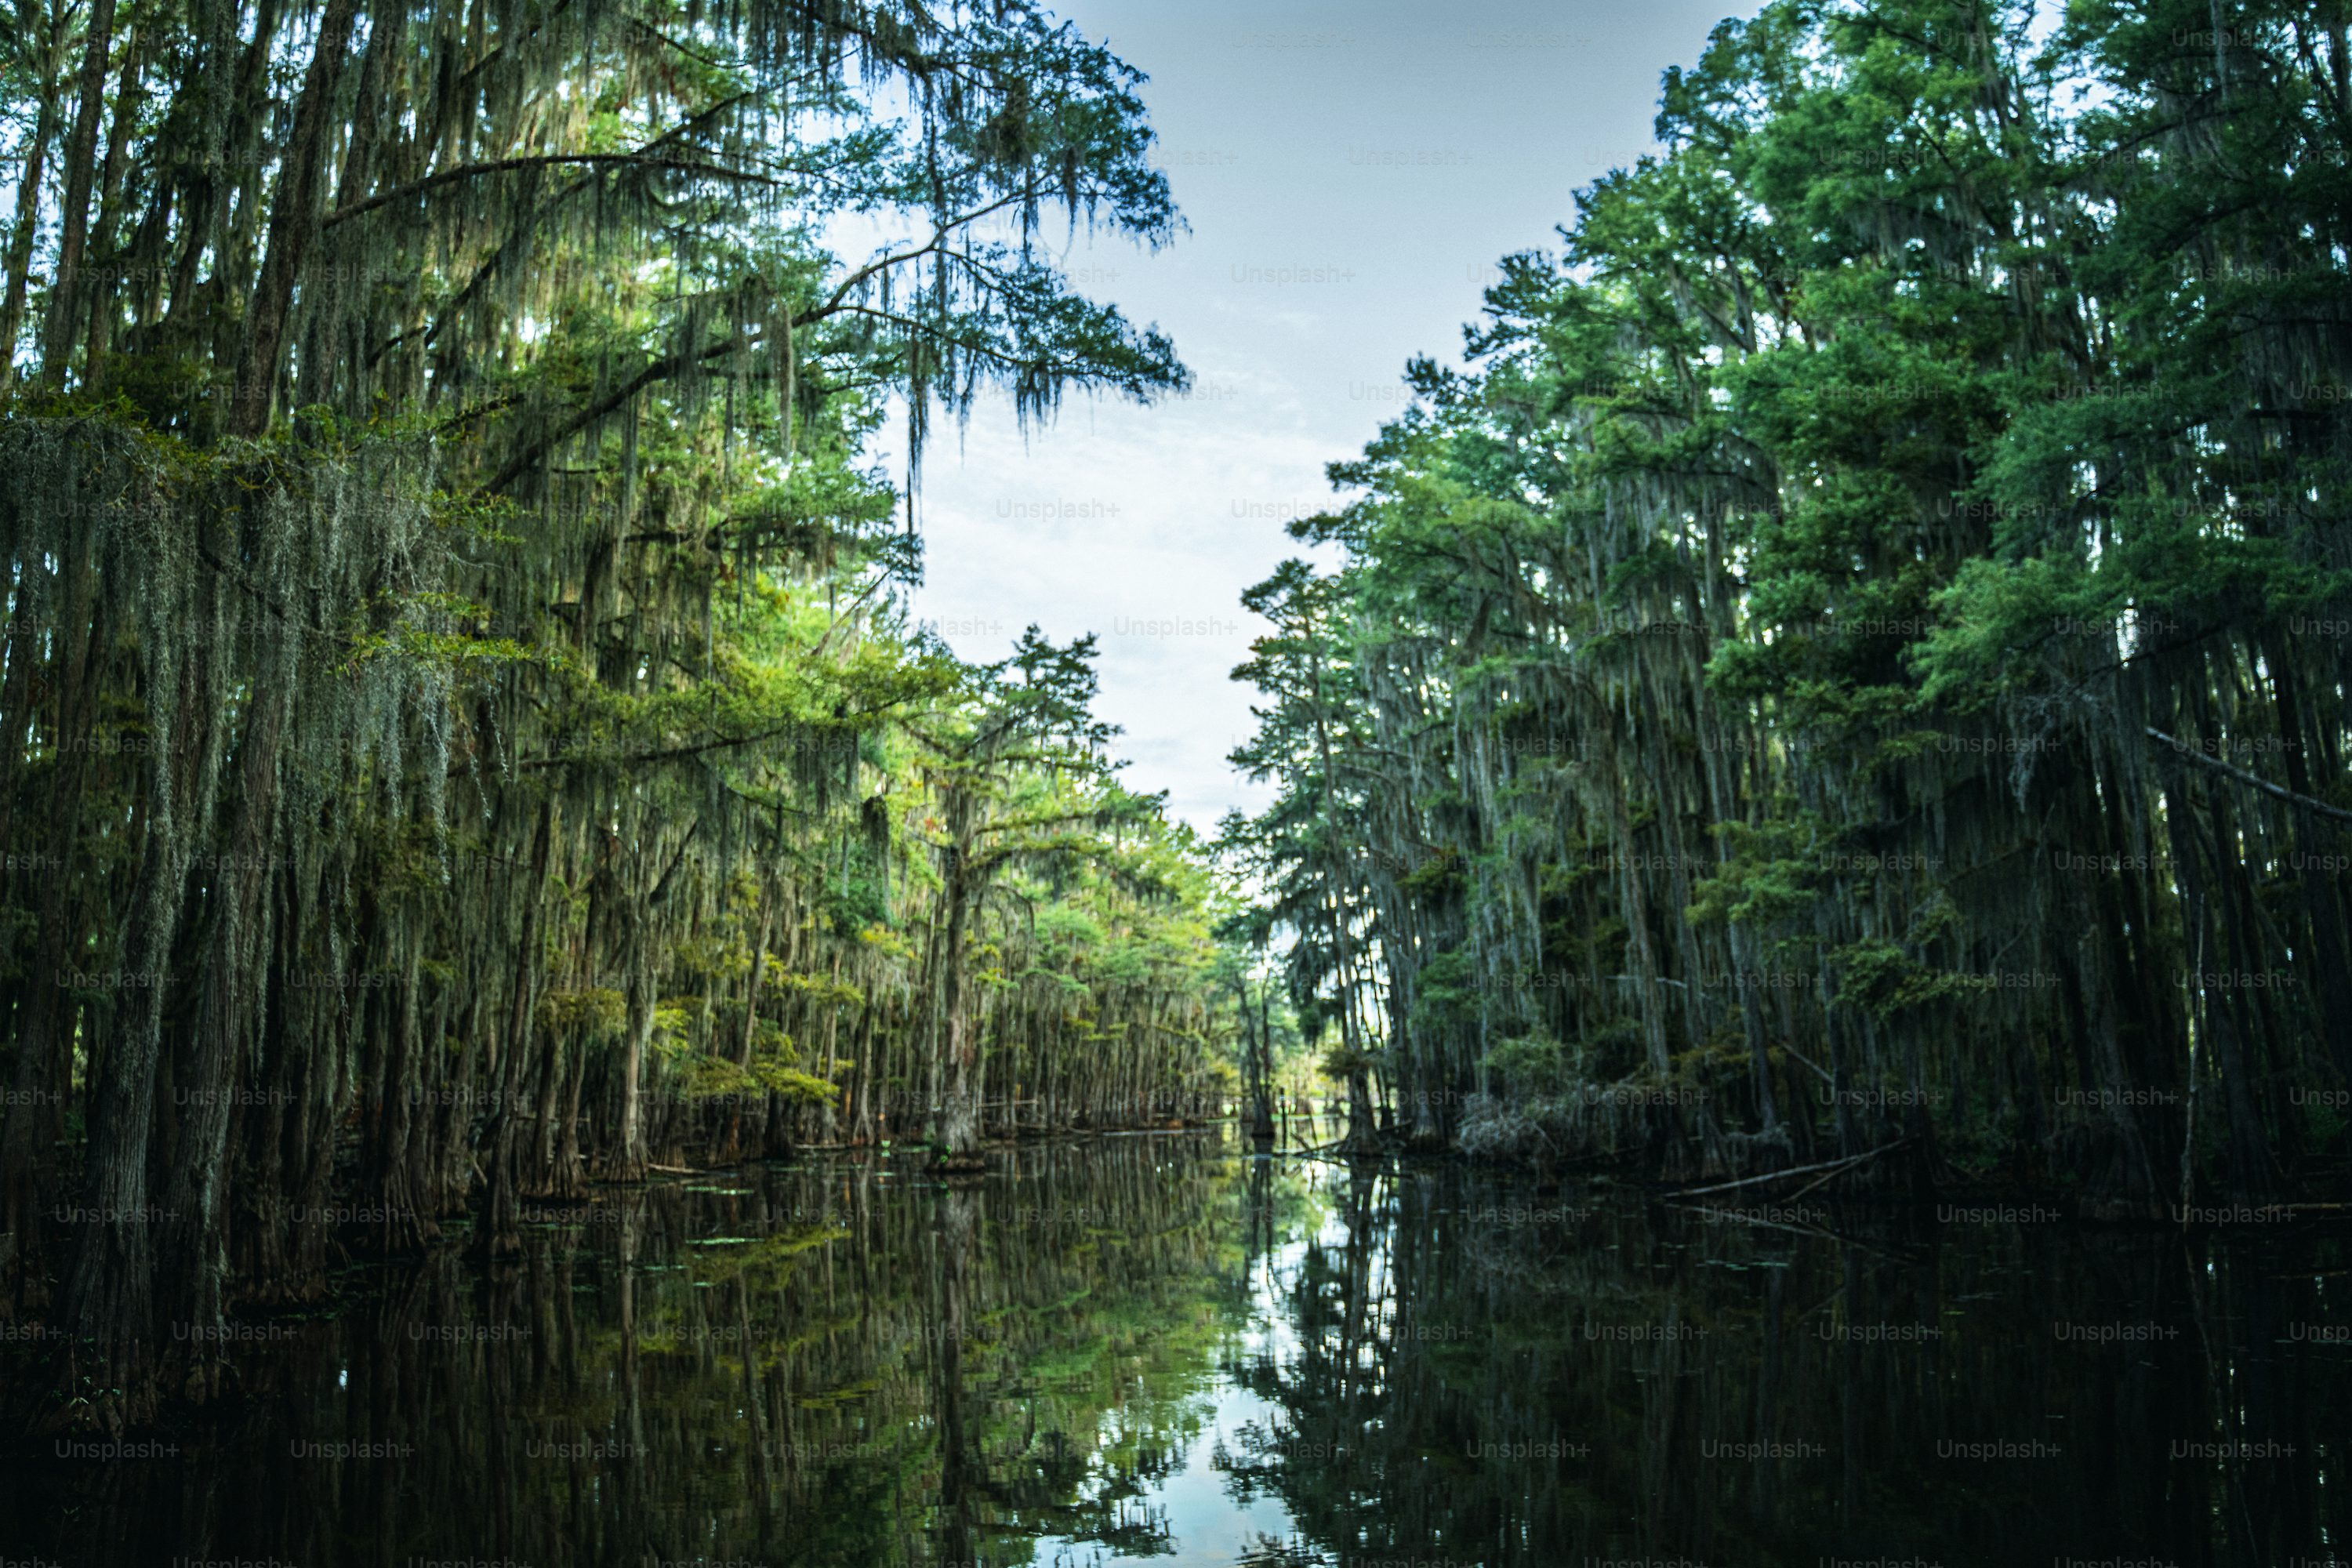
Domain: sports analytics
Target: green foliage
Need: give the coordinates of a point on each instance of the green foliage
(1882, 581)
(460, 630)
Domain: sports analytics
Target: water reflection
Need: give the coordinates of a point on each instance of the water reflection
(1485, 1375)
(1161, 1347)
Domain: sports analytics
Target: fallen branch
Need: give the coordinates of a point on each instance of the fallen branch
(1833, 1166)
(1738, 1218)
(1814, 1184)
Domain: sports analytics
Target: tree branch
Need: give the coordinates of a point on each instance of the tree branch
(543, 161)
(2251, 780)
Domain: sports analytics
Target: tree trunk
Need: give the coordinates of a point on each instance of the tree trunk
(98, 305)
(1363, 1134)
(2329, 964)
(109, 1296)
(21, 235)
(958, 1130)
(500, 1232)
(82, 159)
(45, 1037)
(195, 1261)
(2249, 1157)
(293, 223)
(1262, 1068)
(629, 1166)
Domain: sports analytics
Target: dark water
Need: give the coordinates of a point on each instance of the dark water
(1159, 1348)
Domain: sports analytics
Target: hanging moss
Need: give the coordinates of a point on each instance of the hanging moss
(456, 678)
(1818, 624)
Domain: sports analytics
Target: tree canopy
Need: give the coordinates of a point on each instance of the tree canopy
(1858, 659)
(465, 734)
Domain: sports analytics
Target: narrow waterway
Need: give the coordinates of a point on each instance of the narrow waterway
(1160, 1348)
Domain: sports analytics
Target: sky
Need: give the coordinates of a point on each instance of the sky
(1350, 175)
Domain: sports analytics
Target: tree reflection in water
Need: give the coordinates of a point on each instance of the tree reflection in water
(1161, 1347)
(1475, 1373)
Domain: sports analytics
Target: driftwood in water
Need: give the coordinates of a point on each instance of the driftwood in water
(1834, 1167)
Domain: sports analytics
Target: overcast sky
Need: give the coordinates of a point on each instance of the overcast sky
(1350, 177)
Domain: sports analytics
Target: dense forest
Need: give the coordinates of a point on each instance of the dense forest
(1848, 680)
(464, 733)
(1855, 668)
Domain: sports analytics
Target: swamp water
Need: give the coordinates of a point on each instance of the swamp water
(1160, 1348)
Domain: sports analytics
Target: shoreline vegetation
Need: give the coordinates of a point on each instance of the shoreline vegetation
(1850, 674)
(465, 738)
